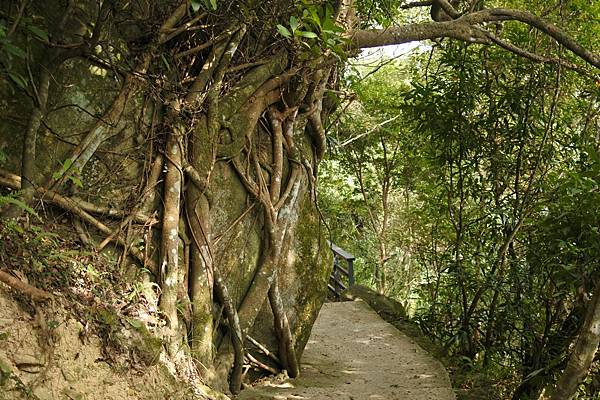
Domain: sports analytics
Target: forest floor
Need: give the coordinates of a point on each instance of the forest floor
(353, 354)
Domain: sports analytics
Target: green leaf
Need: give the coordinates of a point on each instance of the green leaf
(315, 16)
(309, 35)
(195, 5)
(135, 323)
(18, 79)
(18, 203)
(283, 31)
(293, 23)
(213, 4)
(40, 33)
(165, 62)
(328, 12)
(14, 50)
(76, 181)
(67, 164)
(331, 27)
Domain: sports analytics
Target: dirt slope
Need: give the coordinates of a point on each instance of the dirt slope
(61, 362)
(353, 354)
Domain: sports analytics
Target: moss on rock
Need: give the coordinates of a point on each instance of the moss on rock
(389, 309)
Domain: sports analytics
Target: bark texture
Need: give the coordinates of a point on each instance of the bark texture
(582, 354)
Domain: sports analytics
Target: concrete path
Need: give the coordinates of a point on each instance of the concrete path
(353, 354)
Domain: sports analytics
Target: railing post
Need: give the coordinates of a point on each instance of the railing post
(351, 272)
(336, 276)
(337, 286)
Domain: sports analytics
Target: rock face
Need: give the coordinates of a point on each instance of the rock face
(113, 179)
(306, 260)
(116, 116)
(304, 275)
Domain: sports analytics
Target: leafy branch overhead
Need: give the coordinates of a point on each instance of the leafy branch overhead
(473, 26)
(315, 28)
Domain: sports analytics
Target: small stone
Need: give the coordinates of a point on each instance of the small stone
(30, 368)
(72, 394)
(68, 375)
(44, 393)
(28, 363)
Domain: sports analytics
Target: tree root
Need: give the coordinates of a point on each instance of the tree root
(253, 361)
(12, 181)
(287, 352)
(235, 333)
(31, 291)
(84, 238)
(264, 349)
(73, 206)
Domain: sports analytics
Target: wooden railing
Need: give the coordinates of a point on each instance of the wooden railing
(342, 276)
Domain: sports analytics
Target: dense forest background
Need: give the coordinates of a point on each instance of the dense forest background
(466, 181)
(171, 171)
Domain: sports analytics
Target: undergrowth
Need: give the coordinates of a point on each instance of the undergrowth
(111, 298)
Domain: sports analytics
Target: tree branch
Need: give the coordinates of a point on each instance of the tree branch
(466, 28)
(416, 4)
(447, 7)
(532, 56)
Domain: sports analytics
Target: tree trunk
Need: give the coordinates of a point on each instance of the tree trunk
(583, 353)
(171, 274)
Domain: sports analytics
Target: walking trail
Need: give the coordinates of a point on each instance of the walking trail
(353, 354)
